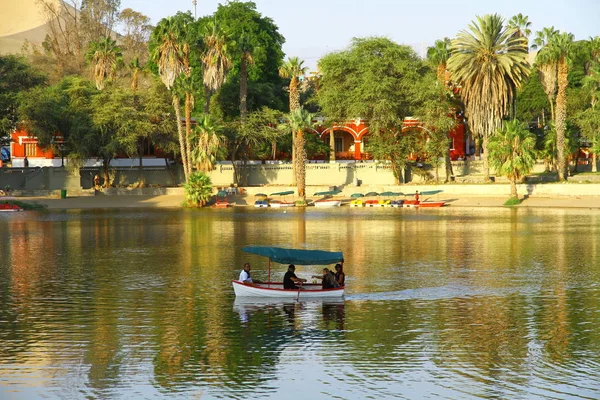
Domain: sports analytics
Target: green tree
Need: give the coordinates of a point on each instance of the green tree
(292, 69)
(246, 49)
(207, 141)
(166, 53)
(520, 25)
(490, 64)
(377, 80)
(216, 60)
(299, 121)
(17, 77)
(588, 120)
(438, 55)
(512, 153)
(546, 65)
(104, 57)
(198, 189)
(558, 49)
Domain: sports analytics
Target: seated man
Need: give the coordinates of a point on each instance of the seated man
(245, 276)
(290, 279)
(328, 279)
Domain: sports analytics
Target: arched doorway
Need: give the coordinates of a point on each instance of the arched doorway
(343, 143)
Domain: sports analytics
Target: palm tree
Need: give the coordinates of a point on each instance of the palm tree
(135, 68)
(558, 49)
(512, 153)
(104, 56)
(300, 120)
(246, 49)
(520, 24)
(215, 60)
(489, 64)
(198, 189)
(166, 52)
(438, 55)
(207, 141)
(546, 65)
(292, 69)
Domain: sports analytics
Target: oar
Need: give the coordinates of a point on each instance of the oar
(299, 288)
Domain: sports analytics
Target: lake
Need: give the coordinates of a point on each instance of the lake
(451, 303)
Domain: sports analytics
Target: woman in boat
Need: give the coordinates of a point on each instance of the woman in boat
(290, 279)
(340, 276)
(328, 279)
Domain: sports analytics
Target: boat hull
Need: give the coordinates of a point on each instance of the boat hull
(328, 203)
(275, 290)
(274, 204)
(432, 204)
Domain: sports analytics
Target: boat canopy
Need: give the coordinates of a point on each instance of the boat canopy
(222, 193)
(357, 195)
(388, 194)
(260, 195)
(296, 256)
(328, 193)
(430, 192)
(282, 193)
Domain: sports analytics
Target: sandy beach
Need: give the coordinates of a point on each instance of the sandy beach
(176, 201)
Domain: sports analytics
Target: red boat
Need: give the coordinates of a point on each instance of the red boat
(425, 203)
(6, 207)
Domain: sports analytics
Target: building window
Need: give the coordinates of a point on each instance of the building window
(30, 149)
(451, 143)
(339, 144)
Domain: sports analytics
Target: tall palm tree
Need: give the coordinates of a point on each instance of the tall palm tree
(135, 68)
(521, 25)
(167, 53)
(558, 49)
(292, 69)
(299, 121)
(438, 55)
(216, 59)
(207, 141)
(512, 153)
(246, 58)
(104, 56)
(546, 65)
(489, 64)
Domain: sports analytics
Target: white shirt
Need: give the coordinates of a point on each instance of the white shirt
(244, 277)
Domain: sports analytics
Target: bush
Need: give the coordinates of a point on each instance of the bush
(198, 190)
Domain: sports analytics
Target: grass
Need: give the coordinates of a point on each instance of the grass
(513, 201)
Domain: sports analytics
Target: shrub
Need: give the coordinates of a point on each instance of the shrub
(198, 189)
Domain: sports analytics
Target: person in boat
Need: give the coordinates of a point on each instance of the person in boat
(245, 276)
(340, 276)
(417, 195)
(328, 279)
(290, 279)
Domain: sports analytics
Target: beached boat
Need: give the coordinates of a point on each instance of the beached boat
(417, 202)
(261, 200)
(222, 200)
(7, 207)
(373, 200)
(281, 202)
(357, 200)
(289, 256)
(327, 200)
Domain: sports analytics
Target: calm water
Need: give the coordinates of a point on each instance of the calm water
(453, 303)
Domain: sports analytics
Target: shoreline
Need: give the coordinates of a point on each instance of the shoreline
(176, 201)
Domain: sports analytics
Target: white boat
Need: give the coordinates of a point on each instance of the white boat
(276, 290)
(290, 256)
(327, 203)
(280, 204)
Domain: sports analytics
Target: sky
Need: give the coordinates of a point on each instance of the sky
(313, 28)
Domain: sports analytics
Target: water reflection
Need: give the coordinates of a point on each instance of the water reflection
(456, 303)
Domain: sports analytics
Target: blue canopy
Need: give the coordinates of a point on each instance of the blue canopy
(430, 192)
(282, 193)
(356, 195)
(295, 256)
(328, 193)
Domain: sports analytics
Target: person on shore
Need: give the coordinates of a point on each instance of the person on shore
(417, 195)
(340, 276)
(290, 279)
(25, 162)
(245, 276)
(328, 279)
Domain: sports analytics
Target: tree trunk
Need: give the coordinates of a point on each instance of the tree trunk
(243, 87)
(105, 172)
(301, 157)
(561, 117)
(170, 171)
(448, 162)
(294, 169)
(142, 181)
(188, 131)
(332, 146)
(486, 163)
(177, 108)
(207, 96)
(594, 163)
(551, 101)
(513, 189)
